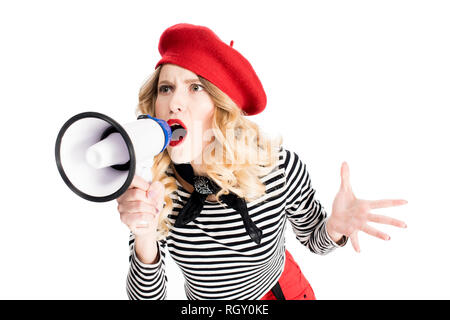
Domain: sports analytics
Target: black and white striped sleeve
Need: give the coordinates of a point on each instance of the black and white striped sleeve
(306, 214)
(146, 281)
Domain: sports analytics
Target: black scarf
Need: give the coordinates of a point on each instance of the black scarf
(203, 187)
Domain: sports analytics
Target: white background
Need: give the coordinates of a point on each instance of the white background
(367, 82)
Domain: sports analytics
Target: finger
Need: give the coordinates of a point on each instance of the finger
(138, 229)
(139, 183)
(386, 220)
(138, 207)
(156, 193)
(355, 241)
(375, 232)
(345, 176)
(385, 203)
(134, 195)
(137, 219)
(141, 224)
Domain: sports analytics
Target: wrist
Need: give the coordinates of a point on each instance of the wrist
(334, 235)
(146, 248)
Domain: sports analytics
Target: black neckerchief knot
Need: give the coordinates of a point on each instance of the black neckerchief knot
(203, 186)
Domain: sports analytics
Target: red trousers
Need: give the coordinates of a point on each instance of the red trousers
(293, 283)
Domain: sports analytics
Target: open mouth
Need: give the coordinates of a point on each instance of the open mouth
(179, 131)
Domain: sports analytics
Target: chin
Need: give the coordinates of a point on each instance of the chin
(182, 154)
(178, 157)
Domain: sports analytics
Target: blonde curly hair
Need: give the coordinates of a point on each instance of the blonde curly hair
(246, 154)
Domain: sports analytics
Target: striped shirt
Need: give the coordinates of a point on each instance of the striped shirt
(217, 257)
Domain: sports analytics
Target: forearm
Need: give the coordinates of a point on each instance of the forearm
(146, 248)
(146, 276)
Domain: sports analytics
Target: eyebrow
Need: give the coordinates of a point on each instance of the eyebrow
(185, 81)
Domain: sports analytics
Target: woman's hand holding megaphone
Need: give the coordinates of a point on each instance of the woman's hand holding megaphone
(140, 206)
(139, 209)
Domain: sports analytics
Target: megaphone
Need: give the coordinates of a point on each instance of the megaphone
(97, 157)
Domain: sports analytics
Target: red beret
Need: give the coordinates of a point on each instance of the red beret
(200, 50)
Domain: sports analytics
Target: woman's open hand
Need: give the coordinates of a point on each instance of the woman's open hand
(351, 215)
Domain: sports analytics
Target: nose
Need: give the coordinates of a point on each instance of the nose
(176, 108)
(177, 102)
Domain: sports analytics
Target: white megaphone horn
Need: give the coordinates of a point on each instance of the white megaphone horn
(97, 157)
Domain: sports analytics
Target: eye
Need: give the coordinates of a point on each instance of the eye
(162, 88)
(197, 87)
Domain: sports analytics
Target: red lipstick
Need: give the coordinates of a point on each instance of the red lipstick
(179, 131)
(171, 122)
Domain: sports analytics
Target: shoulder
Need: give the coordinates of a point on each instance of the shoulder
(290, 159)
(295, 170)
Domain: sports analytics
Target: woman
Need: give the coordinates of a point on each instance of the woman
(222, 191)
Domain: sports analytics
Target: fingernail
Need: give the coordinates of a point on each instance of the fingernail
(388, 238)
(405, 226)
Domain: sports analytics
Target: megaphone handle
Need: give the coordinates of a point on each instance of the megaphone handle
(145, 172)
